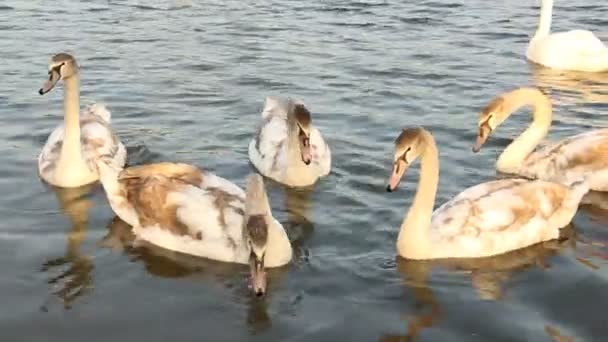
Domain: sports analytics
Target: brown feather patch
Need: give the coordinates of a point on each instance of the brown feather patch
(496, 105)
(257, 230)
(408, 136)
(302, 115)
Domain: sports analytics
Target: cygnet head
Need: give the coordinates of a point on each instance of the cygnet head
(409, 145)
(302, 120)
(61, 67)
(489, 119)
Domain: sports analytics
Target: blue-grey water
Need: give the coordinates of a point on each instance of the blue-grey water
(185, 81)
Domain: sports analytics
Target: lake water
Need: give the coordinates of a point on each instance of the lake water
(186, 80)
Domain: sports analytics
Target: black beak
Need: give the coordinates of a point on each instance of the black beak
(388, 188)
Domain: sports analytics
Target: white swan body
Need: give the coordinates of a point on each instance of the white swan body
(184, 209)
(566, 162)
(278, 151)
(578, 50)
(68, 158)
(484, 220)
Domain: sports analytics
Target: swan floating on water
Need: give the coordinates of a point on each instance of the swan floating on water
(287, 147)
(577, 50)
(182, 208)
(68, 159)
(565, 162)
(487, 219)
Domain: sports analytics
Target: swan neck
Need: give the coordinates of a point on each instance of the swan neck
(293, 144)
(544, 22)
(511, 160)
(413, 239)
(71, 104)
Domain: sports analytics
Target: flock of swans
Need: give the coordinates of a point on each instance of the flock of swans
(183, 208)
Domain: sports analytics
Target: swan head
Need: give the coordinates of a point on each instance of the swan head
(409, 145)
(303, 123)
(61, 66)
(257, 238)
(489, 119)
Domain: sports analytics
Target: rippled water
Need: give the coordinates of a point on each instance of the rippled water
(186, 80)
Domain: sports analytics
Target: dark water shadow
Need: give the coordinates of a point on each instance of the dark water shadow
(488, 277)
(168, 264)
(71, 274)
(300, 228)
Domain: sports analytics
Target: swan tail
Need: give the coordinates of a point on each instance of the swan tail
(99, 110)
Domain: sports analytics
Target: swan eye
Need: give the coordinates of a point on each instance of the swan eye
(404, 156)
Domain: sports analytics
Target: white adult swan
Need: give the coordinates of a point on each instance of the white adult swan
(68, 157)
(287, 147)
(182, 208)
(571, 50)
(567, 161)
(484, 220)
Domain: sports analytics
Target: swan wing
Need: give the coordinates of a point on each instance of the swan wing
(267, 150)
(184, 209)
(499, 216)
(575, 50)
(96, 138)
(571, 159)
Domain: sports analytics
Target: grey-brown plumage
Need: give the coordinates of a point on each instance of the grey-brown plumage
(257, 229)
(62, 57)
(257, 210)
(408, 136)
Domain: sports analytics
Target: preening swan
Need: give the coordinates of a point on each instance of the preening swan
(182, 208)
(287, 147)
(68, 157)
(565, 162)
(572, 50)
(487, 219)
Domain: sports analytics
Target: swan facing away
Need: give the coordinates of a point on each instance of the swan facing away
(484, 220)
(287, 147)
(577, 50)
(68, 157)
(184, 209)
(574, 158)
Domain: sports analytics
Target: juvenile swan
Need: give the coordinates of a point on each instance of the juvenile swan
(68, 157)
(565, 162)
(484, 220)
(578, 50)
(287, 147)
(182, 208)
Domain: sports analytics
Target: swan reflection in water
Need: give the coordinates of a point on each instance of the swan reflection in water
(488, 275)
(169, 264)
(577, 87)
(71, 274)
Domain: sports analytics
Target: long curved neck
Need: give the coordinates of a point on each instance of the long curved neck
(70, 149)
(413, 241)
(511, 160)
(293, 144)
(544, 23)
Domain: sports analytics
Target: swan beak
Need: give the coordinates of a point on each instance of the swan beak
(396, 175)
(482, 137)
(258, 275)
(54, 77)
(305, 150)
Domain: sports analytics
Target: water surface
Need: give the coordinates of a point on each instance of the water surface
(186, 80)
